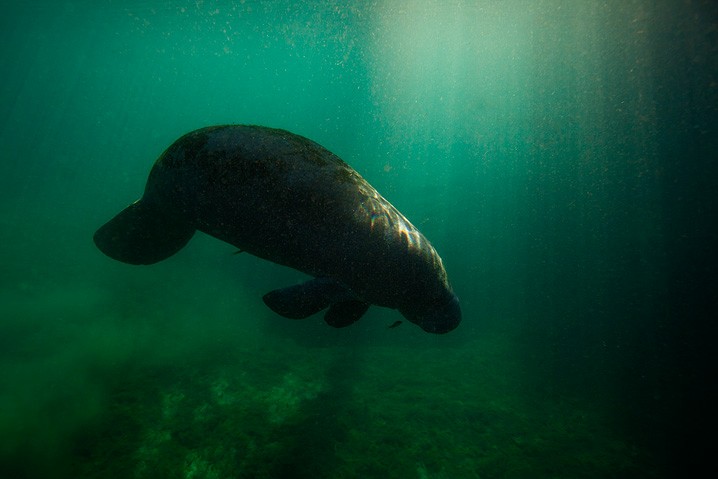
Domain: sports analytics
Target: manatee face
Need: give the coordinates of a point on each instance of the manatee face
(438, 319)
(287, 199)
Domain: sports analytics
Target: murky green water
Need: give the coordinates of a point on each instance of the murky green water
(560, 156)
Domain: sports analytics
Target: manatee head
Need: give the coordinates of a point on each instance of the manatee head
(438, 317)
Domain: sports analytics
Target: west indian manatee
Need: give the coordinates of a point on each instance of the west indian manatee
(284, 198)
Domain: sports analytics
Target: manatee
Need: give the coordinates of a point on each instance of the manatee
(285, 198)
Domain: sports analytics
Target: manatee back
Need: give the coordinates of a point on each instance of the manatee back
(272, 193)
(287, 199)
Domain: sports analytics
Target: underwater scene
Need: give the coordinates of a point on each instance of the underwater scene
(558, 155)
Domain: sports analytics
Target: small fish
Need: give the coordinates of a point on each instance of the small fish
(396, 323)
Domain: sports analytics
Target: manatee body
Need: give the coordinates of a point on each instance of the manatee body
(287, 199)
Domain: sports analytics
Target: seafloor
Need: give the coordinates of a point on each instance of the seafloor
(102, 392)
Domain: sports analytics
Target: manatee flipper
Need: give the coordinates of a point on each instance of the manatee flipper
(296, 302)
(143, 234)
(344, 313)
(303, 300)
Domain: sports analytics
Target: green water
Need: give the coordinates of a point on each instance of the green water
(560, 155)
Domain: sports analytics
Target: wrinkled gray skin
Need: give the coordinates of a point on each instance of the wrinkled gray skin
(286, 199)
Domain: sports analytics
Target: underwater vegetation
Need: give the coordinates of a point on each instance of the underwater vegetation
(223, 420)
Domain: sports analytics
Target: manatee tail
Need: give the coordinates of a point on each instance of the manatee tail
(303, 300)
(142, 234)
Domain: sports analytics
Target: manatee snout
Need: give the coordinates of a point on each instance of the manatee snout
(439, 319)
